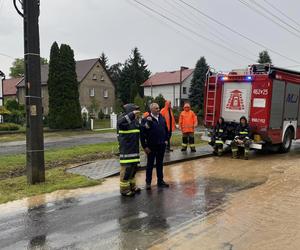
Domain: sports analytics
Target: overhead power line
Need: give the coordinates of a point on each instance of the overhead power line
(211, 29)
(254, 8)
(273, 15)
(191, 31)
(238, 33)
(281, 12)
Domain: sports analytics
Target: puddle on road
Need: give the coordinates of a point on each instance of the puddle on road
(182, 216)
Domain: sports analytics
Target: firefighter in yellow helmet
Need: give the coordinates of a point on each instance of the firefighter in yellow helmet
(129, 136)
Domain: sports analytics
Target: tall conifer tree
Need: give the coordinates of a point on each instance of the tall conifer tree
(197, 84)
(134, 73)
(53, 86)
(70, 111)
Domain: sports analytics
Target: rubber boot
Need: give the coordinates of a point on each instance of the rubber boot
(246, 154)
(234, 153)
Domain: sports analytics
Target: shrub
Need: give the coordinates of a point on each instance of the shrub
(9, 126)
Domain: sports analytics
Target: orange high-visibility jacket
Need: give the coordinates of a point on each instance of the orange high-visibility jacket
(165, 113)
(188, 121)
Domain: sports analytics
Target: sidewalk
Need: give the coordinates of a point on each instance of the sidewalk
(106, 168)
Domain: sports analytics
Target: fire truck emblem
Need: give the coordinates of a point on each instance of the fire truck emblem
(235, 101)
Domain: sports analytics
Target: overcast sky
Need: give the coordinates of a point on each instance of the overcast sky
(117, 26)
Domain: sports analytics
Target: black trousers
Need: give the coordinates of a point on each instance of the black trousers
(169, 139)
(157, 154)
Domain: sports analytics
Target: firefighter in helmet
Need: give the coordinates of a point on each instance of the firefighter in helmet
(187, 123)
(128, 136)
(219, 136)
(242, 138)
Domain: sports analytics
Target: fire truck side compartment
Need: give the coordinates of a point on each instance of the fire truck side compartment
(277, 104)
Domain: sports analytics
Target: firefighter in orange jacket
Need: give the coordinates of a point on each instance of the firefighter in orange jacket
(187, 124)
(167, 113)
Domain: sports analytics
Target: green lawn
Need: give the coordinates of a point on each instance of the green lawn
(56, 179)
(13, 184)
(101, 124)
(14, 165)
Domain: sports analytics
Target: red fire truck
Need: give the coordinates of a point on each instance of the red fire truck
(268, 96)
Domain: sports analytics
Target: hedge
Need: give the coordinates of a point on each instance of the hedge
(9, 126)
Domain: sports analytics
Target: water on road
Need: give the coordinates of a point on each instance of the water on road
(213, 203)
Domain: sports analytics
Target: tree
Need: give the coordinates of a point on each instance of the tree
(160, 100)
(18, 69)
(104, 61)
(70, 113)
(115, 73)
(264, 57)
(197, 84)
(54, 87)
(64, 107)
(139, 101)
(133, 74)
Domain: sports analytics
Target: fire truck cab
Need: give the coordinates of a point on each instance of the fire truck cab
(268, 96)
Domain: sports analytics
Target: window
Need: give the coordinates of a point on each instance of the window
(184, 90)
(106, 110)
(94, 77)
(105, 93)
(102, 77)
(92, 92)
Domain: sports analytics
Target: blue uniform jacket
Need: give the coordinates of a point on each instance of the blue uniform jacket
(153, 132)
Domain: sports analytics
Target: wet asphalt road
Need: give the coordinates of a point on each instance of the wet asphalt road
(98, 218)
(52, 143)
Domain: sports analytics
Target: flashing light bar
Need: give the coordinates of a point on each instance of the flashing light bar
(236, 78)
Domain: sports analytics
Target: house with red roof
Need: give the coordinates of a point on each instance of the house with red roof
(10, 88)
(96, 89)
(169, 84)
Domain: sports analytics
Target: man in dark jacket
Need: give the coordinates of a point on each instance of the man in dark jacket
(154, 136)
(242, 138)
(219, 136)
(129, 136)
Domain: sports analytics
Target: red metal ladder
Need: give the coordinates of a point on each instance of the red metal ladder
(210, 105)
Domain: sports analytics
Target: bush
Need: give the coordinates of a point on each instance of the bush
(9, 126)
(101, 115)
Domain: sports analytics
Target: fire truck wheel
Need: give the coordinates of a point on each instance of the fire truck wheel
(287, 141)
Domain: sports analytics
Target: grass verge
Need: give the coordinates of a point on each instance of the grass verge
(56, 179)
(14, 165)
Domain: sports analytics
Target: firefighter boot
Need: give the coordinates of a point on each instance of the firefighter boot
(133, 186)
(246, 154)
(125, 174)
(125, 189)
(220, 150)
(234, 153)
(184, 143)
(192, 143)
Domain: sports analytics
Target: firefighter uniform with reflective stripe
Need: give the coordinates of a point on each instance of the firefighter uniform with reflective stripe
(219, 136)
(187, 123)
(242, 138)
(128, 136)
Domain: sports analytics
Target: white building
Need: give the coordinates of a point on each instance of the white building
(168, 84)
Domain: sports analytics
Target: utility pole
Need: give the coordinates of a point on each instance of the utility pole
(2, 77)
(35, 164)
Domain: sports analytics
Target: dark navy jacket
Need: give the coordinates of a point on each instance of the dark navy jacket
(153, 132)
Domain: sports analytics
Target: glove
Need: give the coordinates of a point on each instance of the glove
(247, 138)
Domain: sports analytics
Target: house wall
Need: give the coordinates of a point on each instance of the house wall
(98, 80)
(170, 92)
(45, 98)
